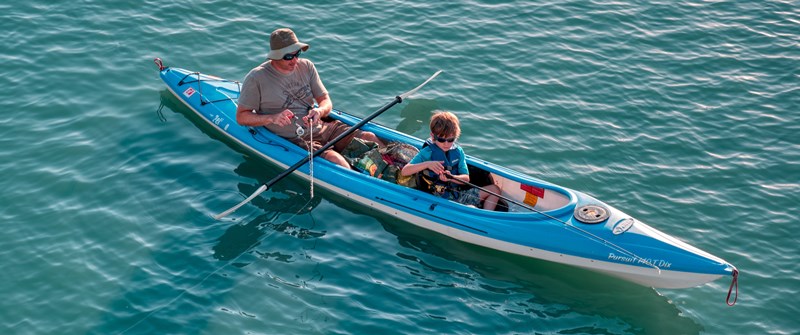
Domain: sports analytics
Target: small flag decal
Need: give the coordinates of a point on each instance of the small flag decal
(533, 190)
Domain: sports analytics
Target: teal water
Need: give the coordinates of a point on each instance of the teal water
(684, 114)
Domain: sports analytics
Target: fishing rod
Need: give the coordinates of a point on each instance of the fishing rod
(566, 224)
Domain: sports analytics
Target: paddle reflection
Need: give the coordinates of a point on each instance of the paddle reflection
(238, 239)
(416, 114)
(284, 201)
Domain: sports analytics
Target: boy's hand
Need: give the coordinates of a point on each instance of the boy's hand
(447, 176)
(435, 166)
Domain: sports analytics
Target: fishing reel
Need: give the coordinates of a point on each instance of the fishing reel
(299, 131)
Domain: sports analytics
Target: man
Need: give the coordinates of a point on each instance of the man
(281, 92)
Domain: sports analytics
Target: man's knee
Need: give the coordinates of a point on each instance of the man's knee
(335, 157)
(369, 136)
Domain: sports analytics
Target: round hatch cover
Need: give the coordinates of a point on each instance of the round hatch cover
(591, 213)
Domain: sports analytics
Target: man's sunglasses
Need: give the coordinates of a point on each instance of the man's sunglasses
(292, 56)
(442, 139)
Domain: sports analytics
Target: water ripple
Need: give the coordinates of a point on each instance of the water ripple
(682, 114)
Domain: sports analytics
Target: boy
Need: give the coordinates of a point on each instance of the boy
(443, 165)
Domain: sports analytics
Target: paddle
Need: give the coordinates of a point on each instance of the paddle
(397, 99)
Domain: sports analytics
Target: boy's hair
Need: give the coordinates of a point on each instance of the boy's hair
(445, 124)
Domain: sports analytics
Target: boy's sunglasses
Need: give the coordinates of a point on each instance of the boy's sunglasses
(442, 139)
(292, 56)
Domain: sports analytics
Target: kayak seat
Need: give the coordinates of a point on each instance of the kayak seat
(479, 176)
(482, 177)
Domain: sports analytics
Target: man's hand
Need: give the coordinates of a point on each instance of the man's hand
(314, 114)
(283, 118)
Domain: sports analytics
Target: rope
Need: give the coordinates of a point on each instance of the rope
(734, 284)
(310, 145)
(160, 64)
(161, 113)
(311, 156)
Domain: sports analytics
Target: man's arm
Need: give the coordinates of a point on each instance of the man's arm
(248, 117)
(325, 107)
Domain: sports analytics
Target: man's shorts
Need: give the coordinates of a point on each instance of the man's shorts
(325, 134)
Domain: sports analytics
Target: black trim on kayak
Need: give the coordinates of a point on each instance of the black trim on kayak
(200, 89)
(203, 103)
(428, 214)
(182, 82)
(256, 134)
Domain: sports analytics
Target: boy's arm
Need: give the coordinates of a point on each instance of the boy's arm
(412, 168)
(421, 161)
(458, 179)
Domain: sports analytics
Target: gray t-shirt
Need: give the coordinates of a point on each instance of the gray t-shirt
(268, 91)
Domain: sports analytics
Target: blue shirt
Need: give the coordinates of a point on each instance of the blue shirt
(426, 154)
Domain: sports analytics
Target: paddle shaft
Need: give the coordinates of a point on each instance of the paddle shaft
(398, 99)
(333, 142)
(305, 159)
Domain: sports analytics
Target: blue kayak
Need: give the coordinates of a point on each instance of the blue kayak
(553, 223)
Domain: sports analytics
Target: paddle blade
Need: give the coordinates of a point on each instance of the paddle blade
(409, 93)
(245, 201)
